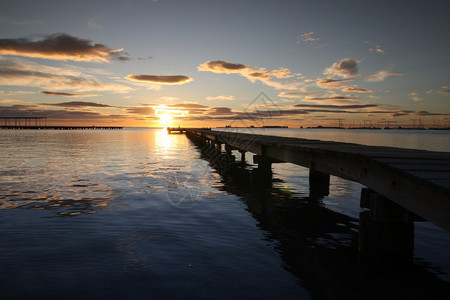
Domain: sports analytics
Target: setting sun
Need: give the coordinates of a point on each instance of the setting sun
(168, 116)
(165, 119)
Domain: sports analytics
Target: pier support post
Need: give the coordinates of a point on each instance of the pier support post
(319, 184)
(242, 156)
(264, 171)
(386, 231)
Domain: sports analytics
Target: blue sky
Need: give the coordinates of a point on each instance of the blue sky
(210, 63)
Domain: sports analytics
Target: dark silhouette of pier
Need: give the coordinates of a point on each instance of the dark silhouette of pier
(403, 185)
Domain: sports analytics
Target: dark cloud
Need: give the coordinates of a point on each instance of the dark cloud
(347, 67)
(220, 66)
(61, 47)
(187, 105)
(356, 90)
(77, 104)
(160, 79)
(355, 106)
(258, 75)
(66, 94)
(220, 111)
(141, 110)
(333, 98)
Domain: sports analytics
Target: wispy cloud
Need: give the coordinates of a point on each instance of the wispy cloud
(93, 23)
(221, 97)
(67, 94)
(57, 115)
(160, 79)
(309, 37)
(375, 48)
(382, 75)
(253, 74)
(18, 72)
(187, 105)
(141, 110)
(300, 93)
(353, 106)
(61, 47)
(415, 96)
(333, 99)
(145, 58)
(444, 91)
(77, 104)
(20, 22)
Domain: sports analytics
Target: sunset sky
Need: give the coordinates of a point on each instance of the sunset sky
(217, 63)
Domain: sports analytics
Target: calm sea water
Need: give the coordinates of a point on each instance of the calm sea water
(138, 214)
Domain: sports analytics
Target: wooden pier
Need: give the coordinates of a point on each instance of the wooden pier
(403, 185)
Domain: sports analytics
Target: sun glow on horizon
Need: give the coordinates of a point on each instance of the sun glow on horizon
(166, 115)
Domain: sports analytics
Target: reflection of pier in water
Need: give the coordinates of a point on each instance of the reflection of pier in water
(317, 245)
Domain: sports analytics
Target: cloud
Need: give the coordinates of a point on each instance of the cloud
(444, 91)
(401, 113)
(252, 74)
(297, 94)
(308, 37)
(335, 98)
(77, 104)
(354, 106)
(219, 66)
(93, 23)
(345, 68)
(20, 22)
(221, 111)
(60, 47)
(334, 83)
(375, 48)
(160, 79)
(187, 105)
(415, 96)
(221, 97)
(381, 75)
(145, 58)
(67, 94)
(356, 90)
(141, 110)
(19, 72)
(55, 115)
